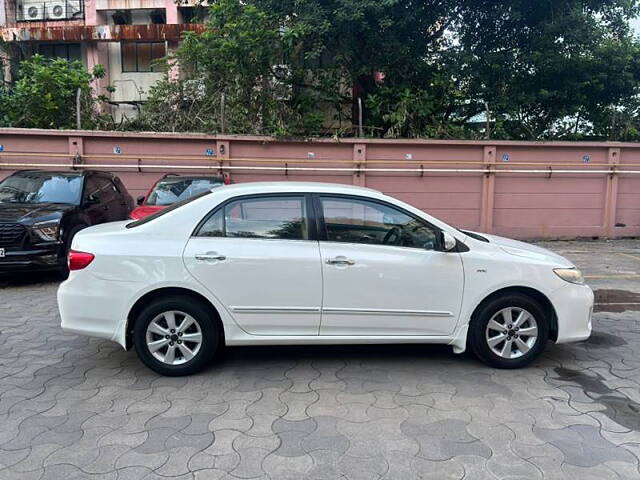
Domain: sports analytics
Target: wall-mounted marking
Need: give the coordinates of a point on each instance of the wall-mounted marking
(117, 150)
(311, 155)
(506, 157)
(408, 156)
(1, 148)
(586, 158)
(210, 152)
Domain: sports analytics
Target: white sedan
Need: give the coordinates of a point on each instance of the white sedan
(312, 263)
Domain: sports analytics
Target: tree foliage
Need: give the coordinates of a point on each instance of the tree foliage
(562, 69)
(528, 69)
(44, 95)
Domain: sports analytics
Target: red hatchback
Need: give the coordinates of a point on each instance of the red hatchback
(171, 189)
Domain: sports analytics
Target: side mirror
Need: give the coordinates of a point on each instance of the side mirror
(448, 242)
(140, 200)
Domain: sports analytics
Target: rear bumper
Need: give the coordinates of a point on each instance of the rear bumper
(574, 307)
(42, 258)
(94, 307)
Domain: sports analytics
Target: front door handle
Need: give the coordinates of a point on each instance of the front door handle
(340, 261)
(210, 256)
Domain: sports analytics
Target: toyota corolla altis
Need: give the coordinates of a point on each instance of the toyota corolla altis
(311, 263)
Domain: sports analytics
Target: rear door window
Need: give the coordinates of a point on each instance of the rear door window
(272, 217)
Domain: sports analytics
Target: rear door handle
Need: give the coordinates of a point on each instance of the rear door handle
(340, 261)
(210, 256)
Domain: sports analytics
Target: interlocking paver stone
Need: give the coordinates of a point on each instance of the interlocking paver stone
(75, 407)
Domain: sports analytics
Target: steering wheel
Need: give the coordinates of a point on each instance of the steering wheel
(394, 231)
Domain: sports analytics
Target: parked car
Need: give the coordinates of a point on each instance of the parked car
(171, 189)
(311, 263)
(41, 211)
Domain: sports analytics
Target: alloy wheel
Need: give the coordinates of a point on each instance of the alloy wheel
(511, 332)
(174, 337)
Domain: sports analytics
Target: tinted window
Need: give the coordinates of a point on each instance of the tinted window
(362, 221)
(214, 226)
(90, 188)
(266, 217)
(173, 190)
(139, 56)
(38, 187)
(100, 188)
(68, 51)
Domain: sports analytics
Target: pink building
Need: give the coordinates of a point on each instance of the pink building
(124, 36)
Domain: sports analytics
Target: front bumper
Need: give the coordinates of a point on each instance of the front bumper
(42, 257)
(574, 307)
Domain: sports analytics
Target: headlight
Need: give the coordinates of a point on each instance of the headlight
(48, 230)
(571, 275)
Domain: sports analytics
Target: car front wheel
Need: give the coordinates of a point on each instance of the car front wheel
(176, 336)
(509, 331)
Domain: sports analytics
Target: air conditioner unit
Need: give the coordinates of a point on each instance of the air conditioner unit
(34, 11)
(60, 10)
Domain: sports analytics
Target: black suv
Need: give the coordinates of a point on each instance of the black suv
(41, 211)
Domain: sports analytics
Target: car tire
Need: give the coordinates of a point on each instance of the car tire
(496, 331)
(64, 268)
(160, 332)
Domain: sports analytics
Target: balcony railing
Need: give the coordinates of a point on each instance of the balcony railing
(35, 11)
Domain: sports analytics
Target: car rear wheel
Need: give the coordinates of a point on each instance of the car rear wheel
(509, 331)
(176, 336)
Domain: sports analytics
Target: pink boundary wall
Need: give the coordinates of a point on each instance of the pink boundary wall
(517, 189)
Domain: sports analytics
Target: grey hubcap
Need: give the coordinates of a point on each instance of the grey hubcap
(174, 337)
(511, 332)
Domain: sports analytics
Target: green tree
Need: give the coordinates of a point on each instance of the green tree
(548, 69)
(44, 95)
(561, 69)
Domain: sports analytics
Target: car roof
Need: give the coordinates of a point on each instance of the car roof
(68, 173)
(191, 177)
(290, 187)
(50, 172)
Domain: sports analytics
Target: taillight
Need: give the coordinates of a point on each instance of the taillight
(79, 260)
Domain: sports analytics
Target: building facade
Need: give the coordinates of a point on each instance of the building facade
(125, 36)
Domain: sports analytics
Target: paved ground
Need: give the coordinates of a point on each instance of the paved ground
(73, 407)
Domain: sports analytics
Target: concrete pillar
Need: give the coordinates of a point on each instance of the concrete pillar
(76, 150)
(611, 194)
(171, 12)
(223, 155)
(174, 68)
(359, 161)
(97, 54)
(488, 189)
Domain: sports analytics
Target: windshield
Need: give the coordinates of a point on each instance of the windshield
(38, 187)
(172, 190)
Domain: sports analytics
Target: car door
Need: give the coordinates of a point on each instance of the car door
(257, 256)
(383, 271)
